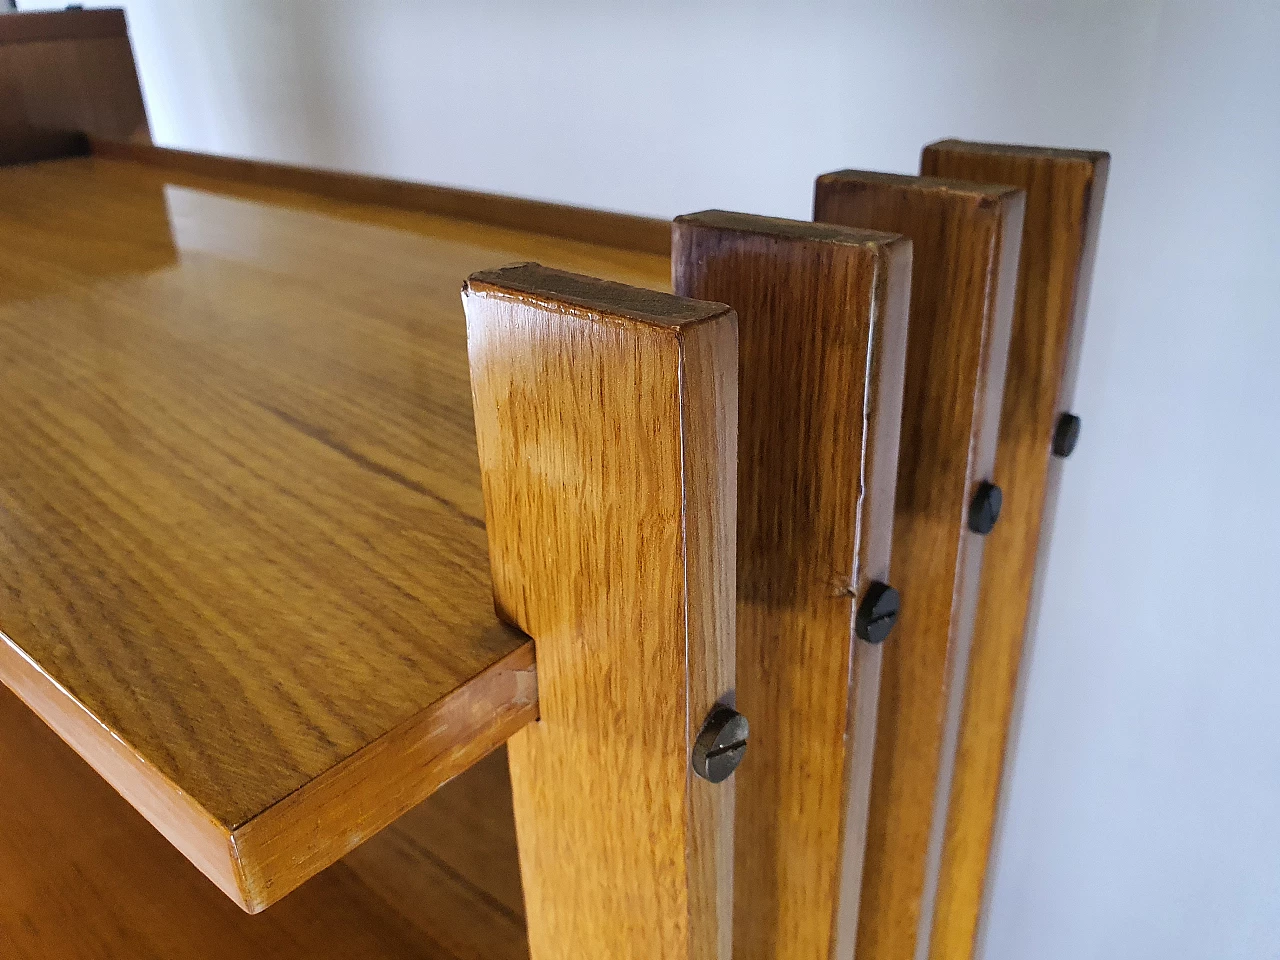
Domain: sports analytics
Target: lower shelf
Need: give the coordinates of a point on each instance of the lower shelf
(85, 877)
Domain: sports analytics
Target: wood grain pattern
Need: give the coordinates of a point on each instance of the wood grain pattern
(606, 418)
(243, 536)
(822, 315)
(84, 877)
(622, 230)
(965, 240)
(64, 75)
(1064, 207)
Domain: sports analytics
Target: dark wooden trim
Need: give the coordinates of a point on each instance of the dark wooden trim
(36, 26)
(620, 230)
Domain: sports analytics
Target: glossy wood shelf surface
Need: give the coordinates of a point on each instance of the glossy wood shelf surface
(243, 563)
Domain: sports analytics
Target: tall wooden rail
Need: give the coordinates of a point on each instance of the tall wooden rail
(966, 240)
(822, 321)
(606, 418)
(1037, 430)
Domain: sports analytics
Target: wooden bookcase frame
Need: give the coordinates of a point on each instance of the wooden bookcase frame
(69, 85)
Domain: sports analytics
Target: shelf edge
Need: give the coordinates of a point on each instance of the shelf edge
(263, 860)
(293, 840)
(182, 821)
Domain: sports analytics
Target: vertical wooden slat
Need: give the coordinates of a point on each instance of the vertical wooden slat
(1064, 207)
(822, 328)
(606, 419)
(965, 240)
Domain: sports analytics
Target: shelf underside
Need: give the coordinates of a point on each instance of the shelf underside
(83, 876)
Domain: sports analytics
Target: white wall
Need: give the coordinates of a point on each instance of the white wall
(1143, 815)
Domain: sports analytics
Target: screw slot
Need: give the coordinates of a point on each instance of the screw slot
(877, 613)
(721, 744)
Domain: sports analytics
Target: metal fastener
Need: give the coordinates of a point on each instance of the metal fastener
(877, 613)
(1065, 435)
(721, 744)
(984, 511)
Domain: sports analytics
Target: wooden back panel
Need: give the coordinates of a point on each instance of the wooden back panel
(822, 314)
(64, 75)
(965, 241)
(1064, 207)
(606, 420)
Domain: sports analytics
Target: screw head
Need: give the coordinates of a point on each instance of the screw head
(877, 613)
(1065, 435)
(984, 510)
(721, 744)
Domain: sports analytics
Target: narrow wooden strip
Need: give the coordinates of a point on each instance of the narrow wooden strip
(309, 830)
(1064, 207)
(620, 230)
(822, 325)
(35, 26)
(965, 240)
(708, 451)
(606, 422)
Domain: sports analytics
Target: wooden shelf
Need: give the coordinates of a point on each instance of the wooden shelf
(243, 562)
(82, 876)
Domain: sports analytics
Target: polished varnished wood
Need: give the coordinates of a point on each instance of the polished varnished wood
(84, 877)
(1064, 206)
(822, 314)
(965, 241)
(243, 564)
(65, 74)
(606, 418)
(621, 230)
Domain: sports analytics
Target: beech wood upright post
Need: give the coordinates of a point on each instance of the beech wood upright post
(822, 323)
(966, 240)
(606, 418)
(1064, 207)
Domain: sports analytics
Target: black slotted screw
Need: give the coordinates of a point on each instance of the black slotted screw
(1065, 435)
(877, 613)
(721, 744)
(984, 510)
